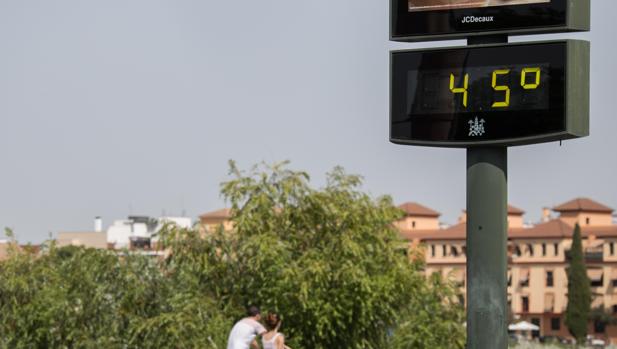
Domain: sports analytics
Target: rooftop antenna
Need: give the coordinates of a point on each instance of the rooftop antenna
(183, 212)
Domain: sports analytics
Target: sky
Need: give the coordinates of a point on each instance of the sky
(111, 108)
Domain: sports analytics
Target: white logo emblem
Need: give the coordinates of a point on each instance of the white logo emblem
(476, 127)
(474, 19)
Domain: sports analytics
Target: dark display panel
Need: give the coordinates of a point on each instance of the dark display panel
(415, 20)
(470, 95)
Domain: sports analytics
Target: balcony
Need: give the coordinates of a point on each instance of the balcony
(594, 256)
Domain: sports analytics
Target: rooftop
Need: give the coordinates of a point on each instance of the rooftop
(512, 210)
(415, 209)
(224, 213)
(583, 205)
(553, 229)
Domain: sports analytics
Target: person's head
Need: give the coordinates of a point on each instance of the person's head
(254, 312)
(271, 321)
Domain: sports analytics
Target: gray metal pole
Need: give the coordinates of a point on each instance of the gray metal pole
(487, 248)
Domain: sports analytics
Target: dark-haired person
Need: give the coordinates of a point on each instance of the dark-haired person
(273, 339)
(242, 335)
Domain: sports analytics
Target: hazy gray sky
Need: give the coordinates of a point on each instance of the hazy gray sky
(114, 107)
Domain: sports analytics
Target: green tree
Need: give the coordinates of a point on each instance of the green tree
(432, 320)
(73, 297)
(329, 260)
(579, 290)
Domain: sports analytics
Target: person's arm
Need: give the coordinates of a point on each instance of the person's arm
(259, 331)
(280, 342)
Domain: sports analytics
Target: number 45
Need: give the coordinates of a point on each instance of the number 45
(505, 88)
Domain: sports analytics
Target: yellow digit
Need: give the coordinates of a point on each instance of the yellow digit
(462, 90)
(524, 83)
(496, 87)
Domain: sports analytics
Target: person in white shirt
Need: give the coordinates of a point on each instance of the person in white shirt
(242, 335)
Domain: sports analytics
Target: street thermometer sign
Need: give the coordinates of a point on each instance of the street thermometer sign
(490, 94)
(486, 97)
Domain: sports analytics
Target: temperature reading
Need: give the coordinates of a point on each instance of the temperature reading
(530, 79)
(462, 90)
(498, 94)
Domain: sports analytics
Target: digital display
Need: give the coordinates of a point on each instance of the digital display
(428, 20)
(487, 94)
(431, 5)
(479, 89)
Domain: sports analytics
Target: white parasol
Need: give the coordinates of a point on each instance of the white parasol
(523, 326)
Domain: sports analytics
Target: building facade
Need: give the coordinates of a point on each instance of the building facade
(538, 260)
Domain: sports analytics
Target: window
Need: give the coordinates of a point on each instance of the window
(549, 279)
(530, 249)
(525, 301)
(517, 251)
(535, 321)
(543, 249)
(432, 250)
(587, 220)
(611, 248)
(556, 245)
(464, 248)
(555, 324)
(444, 251)
(413, 224)
(524, 278)
(549, 303)
(615, 309)
(599, 326)
(596, 277)
(454, 251)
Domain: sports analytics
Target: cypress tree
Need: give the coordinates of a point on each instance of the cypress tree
(579, 290)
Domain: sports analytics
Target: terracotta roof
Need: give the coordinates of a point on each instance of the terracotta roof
(583, 204)
(418, 234)
(415, 209)
(456, 232)
(555, 228)
(515, 211)
(606, 231)
(224, 213)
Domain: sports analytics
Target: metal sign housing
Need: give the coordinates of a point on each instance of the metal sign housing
(424, 20)
(490, 95)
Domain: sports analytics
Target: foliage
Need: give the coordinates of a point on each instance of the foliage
(73, 297)
(602, 316)
(328, 260)
(438, 306)
(579, 290)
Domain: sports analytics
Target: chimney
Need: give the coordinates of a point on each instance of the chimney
(546, 214)
(98, 224)
(463, 217)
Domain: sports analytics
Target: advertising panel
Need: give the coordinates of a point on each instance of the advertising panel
(423, 20)
(432, 5)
